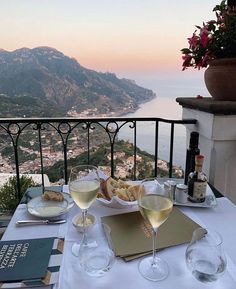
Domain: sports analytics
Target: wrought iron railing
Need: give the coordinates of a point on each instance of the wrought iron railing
(16, 128)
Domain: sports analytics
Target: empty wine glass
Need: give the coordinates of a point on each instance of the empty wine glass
(97, 260)
(205, 257)
(84, 185)
(155, 206)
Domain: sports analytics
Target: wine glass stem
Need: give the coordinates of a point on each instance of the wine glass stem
(84, 216)
(154, 240)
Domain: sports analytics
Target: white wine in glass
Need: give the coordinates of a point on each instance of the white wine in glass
(84, 185)
(155, 206)
(84, 192)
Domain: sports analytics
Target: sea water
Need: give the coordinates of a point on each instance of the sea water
(162, 107)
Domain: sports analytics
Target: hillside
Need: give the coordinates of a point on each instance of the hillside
(123, 169)
(44, 82)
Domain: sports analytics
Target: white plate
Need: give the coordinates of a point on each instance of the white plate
(49, 209)
(209, 202)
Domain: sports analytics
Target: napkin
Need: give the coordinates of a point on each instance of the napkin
(131, 235)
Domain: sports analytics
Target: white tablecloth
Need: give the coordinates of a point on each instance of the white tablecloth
(125, 275)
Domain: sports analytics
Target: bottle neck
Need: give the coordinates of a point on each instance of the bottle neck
(198, 168)
(193, 147)
(194, 137)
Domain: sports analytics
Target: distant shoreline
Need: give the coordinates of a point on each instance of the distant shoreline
(165, 108)
(133, 110)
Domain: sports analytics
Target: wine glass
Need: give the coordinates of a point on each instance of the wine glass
(204, 256)
(97, 260)
(155, 206)
(84, 185)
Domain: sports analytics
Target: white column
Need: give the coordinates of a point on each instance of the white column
(217, 142)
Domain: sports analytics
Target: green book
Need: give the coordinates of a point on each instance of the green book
(24, 259)
(131, 235)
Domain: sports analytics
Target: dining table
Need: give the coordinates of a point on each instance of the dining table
(220, 218)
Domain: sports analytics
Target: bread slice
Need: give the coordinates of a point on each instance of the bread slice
(135, 191)
(122, 194)
(123, 184)
(121, 189)
(108, 186)
(49, 195)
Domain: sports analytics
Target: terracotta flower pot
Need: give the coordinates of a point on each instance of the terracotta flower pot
(220, 79)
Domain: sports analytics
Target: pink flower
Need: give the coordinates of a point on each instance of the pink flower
(214, 39)
(193, 41)
(204, 36)
(187, 61)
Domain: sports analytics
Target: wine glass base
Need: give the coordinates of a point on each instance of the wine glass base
(153, 272)
(90, 243)
(75, 249)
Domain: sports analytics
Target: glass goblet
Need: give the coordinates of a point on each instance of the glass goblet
(205, 257)
(155, 206)
(84, 184)
(97, 260)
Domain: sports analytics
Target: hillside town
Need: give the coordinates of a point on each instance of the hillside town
(54, 153)
(52, 150)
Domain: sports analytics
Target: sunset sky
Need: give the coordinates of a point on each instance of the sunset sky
(140, 39)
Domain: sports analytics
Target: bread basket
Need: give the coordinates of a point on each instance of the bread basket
(119, 194)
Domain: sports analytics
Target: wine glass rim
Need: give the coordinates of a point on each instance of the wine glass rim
(214, 237)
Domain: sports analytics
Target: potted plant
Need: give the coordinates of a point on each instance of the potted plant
(213, 45)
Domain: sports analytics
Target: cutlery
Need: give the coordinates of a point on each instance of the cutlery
(40, 222)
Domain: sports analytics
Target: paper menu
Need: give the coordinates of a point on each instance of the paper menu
(132, 236)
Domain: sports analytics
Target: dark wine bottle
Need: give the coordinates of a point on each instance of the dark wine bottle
(197, 182)
(192, 151)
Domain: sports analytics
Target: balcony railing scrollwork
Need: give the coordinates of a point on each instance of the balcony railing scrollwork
(15, 134)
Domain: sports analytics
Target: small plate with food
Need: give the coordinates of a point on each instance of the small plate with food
(50, 204)
(118, 193)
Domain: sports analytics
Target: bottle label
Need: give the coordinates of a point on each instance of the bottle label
(199, 190)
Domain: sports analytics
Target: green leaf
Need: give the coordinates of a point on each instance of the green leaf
(8, 192)
(186, 51)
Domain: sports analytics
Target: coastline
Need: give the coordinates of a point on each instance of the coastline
(134, 109)
(161, 107)
(127, 111)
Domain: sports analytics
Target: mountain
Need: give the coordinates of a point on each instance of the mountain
(44, 82)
